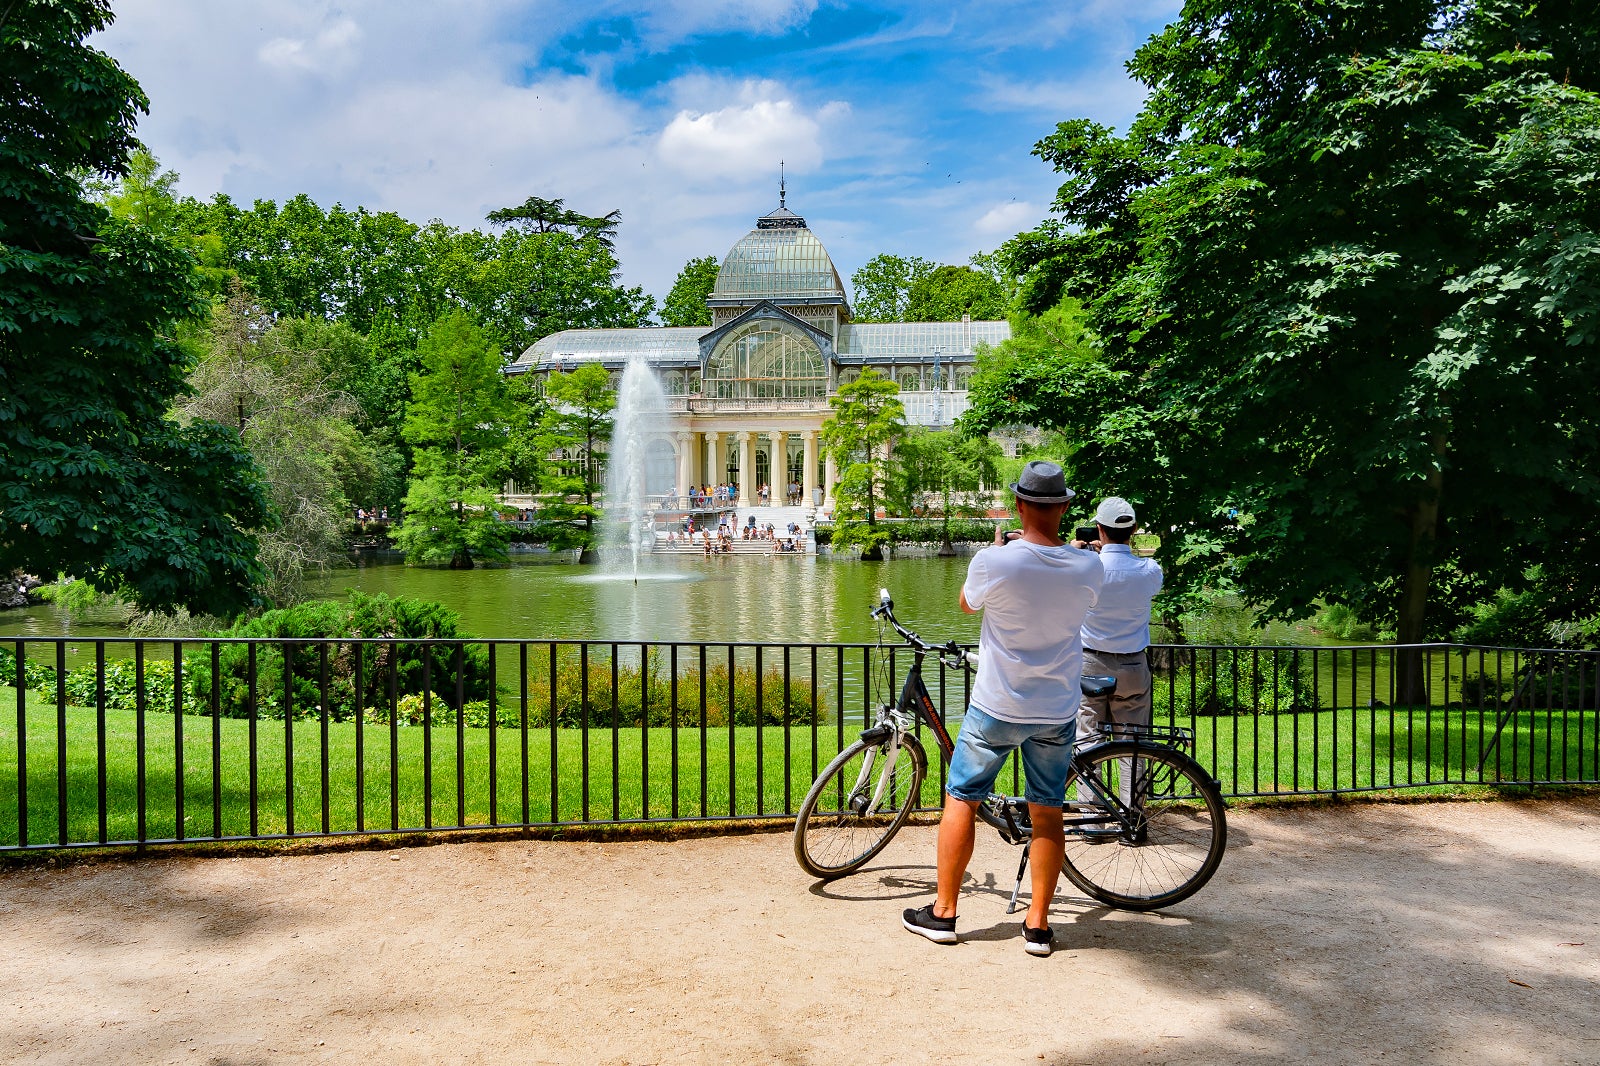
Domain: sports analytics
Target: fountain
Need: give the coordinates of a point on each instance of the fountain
(628, 528)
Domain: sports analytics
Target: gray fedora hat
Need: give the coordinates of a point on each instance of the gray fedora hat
(1042, 482)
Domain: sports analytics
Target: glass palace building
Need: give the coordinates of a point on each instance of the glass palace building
(750, 392)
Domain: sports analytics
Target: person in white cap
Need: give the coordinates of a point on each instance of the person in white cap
(1116, 631)
(1033, 591)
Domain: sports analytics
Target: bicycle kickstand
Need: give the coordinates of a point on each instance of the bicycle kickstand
(1022, 868)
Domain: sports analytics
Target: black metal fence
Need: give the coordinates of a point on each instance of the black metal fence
(117, 742)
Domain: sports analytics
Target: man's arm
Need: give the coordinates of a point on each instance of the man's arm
(965, 606)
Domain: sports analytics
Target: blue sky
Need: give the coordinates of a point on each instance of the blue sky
(904, 126)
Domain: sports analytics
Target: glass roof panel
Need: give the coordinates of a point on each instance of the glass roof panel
(769, 263)
(885, 340)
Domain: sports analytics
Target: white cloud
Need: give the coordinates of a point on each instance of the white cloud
(332, 46)
(1004, 220)
(748, 138)
(1108, 96)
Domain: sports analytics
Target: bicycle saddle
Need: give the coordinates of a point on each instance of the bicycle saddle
(1098, 685)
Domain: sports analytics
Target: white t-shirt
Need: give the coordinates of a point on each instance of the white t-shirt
(1030, 655)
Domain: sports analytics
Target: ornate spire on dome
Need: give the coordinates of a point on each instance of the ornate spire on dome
(782, 218)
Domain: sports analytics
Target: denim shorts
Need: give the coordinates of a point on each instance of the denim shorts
(985, 742)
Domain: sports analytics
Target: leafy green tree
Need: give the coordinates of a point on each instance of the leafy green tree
(946, 293)
(868, 418)
(457, 424)
(686, 303)
(96, 479)
(946, 475)
(271, 383)
(573, 436)
(524, 462)
(1343, 269)
(883, 285)
(538, 215)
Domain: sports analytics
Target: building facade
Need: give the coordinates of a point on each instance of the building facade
(749, 393)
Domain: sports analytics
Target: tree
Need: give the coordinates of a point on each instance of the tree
(945, 474)
(574, 433)
(96, 479)
(883, 287)
(457, 423)
(1343, 269)
(538, 215)
(868, 419)
(946, 293)
(686, 303)
(271, 383)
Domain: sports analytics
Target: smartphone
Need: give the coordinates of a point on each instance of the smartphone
(1086, 533)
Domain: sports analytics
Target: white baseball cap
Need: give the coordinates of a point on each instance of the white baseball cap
(1115, 513)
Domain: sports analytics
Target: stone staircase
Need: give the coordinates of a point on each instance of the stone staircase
(780, 517)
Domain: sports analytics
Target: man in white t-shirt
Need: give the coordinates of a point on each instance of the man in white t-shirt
(1034, 591)
(1117, 632)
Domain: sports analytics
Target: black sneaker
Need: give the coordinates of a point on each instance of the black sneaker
(924, 922)
(1039, 942)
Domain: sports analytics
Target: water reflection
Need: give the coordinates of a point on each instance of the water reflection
(729, 598)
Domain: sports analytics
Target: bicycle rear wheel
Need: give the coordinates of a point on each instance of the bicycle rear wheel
(839, 827)
(1179, 833)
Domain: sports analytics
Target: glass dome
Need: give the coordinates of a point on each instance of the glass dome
(760, 361)
(779, 258)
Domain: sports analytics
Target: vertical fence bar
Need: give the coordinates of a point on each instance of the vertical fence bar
(100, 739)
(760, 722)
(705, 770)
(494, 715)
(177, 739)
(255, 753)
(583, 717)
(139, 739)
(61, 742)
(461, 734)
(555, 782)
(644, 731)
(22, 744)
(788, 740)
(360, 703)
(814, 712)
(393, 685)
(522, 704)
(616, 736)
(733, 791)
(216, 740)
(322, 735)
(288, 737)
(672, 722)
(427, 736)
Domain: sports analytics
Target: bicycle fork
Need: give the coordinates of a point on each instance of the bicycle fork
(890, 752)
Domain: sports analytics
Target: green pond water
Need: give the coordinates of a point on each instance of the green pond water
(809, 599)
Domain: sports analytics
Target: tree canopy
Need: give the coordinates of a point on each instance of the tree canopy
(686, 303)
(868, 418)
(1342, 269)
(96, 478)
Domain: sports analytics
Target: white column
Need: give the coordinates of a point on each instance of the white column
(685, 454)
(711, 475)
(808, 471)
(747, 466)
(830, 474)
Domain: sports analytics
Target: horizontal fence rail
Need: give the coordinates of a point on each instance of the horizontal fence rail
(130, 742)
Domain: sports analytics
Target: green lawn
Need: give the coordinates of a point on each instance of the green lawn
(570, 776)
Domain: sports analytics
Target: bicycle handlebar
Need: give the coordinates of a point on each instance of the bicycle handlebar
(950, 653)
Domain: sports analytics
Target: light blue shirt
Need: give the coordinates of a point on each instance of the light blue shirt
(1120, 621)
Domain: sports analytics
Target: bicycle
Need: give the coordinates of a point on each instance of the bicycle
(1149, 833)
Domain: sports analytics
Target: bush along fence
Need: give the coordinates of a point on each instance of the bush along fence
(116, 742)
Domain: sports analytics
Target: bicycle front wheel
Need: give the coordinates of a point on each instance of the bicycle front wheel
(857, 805)
(1178, 830)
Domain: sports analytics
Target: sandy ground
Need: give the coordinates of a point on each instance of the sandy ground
(1417, 933)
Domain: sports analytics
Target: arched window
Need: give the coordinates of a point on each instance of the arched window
(909, 379)
(963, 378)
(765, 361)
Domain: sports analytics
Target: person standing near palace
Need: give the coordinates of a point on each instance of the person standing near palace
(1034, 591)
(1116, 631)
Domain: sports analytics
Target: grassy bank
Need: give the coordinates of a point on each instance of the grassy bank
(379, 778)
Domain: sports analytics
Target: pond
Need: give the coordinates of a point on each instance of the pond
(807, 598)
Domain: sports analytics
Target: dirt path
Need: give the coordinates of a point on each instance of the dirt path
(1449, 933)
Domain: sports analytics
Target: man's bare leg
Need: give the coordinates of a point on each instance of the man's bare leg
(956, 834)
(1044, 855)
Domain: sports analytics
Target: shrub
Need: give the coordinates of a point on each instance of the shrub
(401, 664)
(122, 686)
(637, 698)
(1263, 683)
(40, 677)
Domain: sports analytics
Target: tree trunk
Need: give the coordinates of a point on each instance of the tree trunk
(1410, 679)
